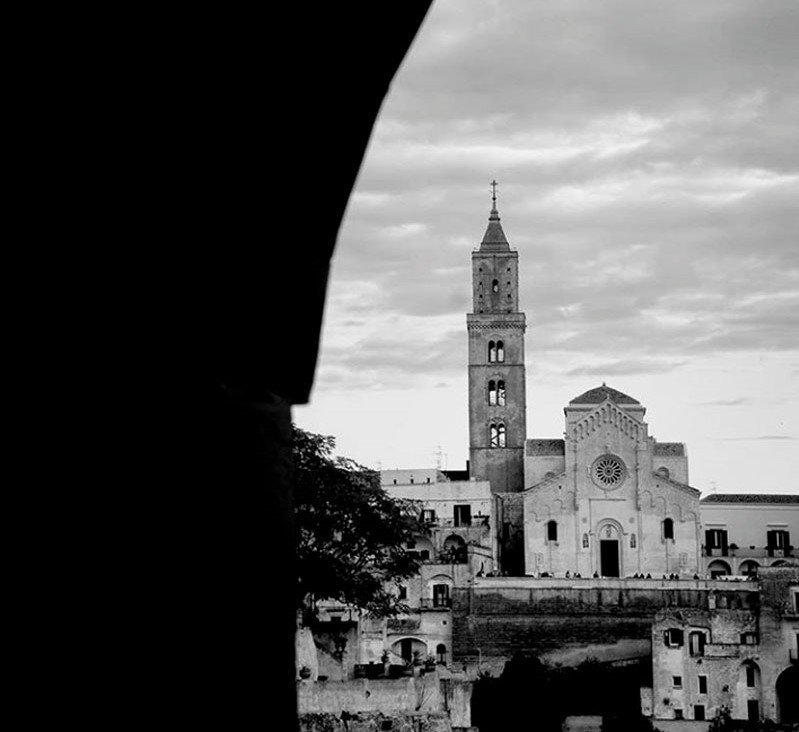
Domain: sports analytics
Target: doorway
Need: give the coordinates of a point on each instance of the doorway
(609, 557)
(787, 700)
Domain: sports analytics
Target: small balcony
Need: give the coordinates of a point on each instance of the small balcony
(435, 603)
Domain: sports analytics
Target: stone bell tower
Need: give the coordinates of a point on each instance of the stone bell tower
(497, 399)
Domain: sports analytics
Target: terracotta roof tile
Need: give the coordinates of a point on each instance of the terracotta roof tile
(750, 498)
(600, 393)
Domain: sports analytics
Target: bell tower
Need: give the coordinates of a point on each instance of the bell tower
(497, 398)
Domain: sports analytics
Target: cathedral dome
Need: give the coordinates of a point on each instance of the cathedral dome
(600, 393)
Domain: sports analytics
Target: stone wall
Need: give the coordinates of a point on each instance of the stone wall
(606, 619)
(430, 703)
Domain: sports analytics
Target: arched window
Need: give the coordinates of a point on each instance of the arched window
(492, 392)
(668, 529)
(501, 434)
(494, 434)
(500, 351)
(501, 393)
(632, 541)
(441, 652)
(585, 541)
(492, 351)
(495, 286)
(552, 530)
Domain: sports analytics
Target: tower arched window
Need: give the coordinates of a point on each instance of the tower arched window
(632, 541)
(495, 286)
(494, 433)
(585, 541)
(552, 530)
(500, 351)
(492, 392)
(501, 434)
(668, 529)
(492, 351)
(501, 393)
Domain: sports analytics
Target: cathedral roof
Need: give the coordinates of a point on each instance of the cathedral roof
(750, 498)
(600, 394)
(545, 447)
(494, 239)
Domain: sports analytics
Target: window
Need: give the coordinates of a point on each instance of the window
(585, 541)
(497, 434)
(552, 530)
(796, 602)
(751, 676)
(716, 540)
(699, 712)
(411, 481)
(500, 350)
(673, 638)
(403, 592)
(495, 286)
(441, 652)
(777, 539)
(501, 393)
(702, 684)
(395, 481)
(676, 682)
(678, 714)
(492, 351)
(633, 543)
(749, 639)
(463, 515)
(492, 392)
(668, 529)
(696, 643)
(428, 515)
(441, 596)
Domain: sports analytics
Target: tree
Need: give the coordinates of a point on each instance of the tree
(350, 532)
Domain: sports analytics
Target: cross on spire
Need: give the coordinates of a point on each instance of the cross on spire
(494, 192)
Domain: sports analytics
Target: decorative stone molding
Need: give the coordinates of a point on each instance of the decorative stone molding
(497, 325)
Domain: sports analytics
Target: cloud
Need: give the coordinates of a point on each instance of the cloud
(725, 402)
(648, 161)
(624, 368)
(766, 438)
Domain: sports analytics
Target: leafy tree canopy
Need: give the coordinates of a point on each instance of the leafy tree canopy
(350, 533)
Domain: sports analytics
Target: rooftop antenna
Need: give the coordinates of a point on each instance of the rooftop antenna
(437, 455)
(713, 486)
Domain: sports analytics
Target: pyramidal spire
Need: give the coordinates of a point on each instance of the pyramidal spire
(494, 238)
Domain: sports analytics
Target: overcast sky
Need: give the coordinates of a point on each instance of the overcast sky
(647, 156)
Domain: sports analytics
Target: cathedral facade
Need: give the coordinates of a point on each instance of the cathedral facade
(608, 499)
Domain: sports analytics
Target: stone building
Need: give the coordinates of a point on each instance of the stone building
(746, 532)
(458, 547)
(737, 653)
(497, 394)
(609, 498)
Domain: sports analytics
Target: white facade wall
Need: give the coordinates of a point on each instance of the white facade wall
(630, 513)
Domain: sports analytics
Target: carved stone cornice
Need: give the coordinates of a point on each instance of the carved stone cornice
(497, 325)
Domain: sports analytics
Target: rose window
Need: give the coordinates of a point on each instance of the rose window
(608, 471)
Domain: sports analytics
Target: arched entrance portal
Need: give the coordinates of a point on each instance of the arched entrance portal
(787, 699)
(609, 564)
